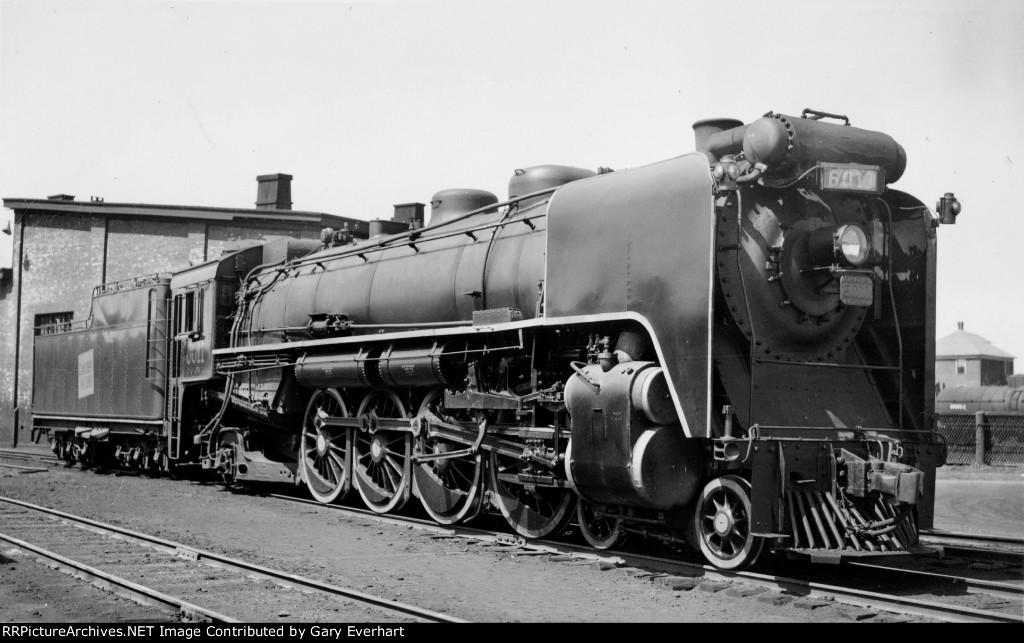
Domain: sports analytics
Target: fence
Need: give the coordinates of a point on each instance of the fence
(983, 438)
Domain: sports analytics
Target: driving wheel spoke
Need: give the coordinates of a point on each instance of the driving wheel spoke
(325, 453)
(448, 488)
(723, 526)
(383, 459)
(599, 526)
(533, 512)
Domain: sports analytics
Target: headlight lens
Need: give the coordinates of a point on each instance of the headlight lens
(851, 244)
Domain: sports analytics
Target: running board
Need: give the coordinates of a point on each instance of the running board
(836, 556)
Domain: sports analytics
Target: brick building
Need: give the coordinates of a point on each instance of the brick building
(966, 359)
(62, 248)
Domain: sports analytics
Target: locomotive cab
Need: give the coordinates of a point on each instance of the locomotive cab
(203, 318)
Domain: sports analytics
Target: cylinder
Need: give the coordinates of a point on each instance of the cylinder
(788, 145)
(351, 370)
(651, 396)
(618, 456)
(666, 467)
(414, 367)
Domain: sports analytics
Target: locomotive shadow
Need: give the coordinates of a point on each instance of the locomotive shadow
(873, 581)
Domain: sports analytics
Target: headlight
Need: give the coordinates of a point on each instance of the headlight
(850, 244)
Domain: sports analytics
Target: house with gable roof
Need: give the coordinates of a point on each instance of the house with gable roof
(967, 359)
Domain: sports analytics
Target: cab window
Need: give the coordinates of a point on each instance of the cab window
(189, 316)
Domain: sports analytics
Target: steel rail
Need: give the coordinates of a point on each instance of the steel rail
(23, 469)
(121, 586)
(851, 596)
(983, 547)
(988, 538)
(22, 454)
(994, 588)
(249, 568)
(984, 553)
(797, 587)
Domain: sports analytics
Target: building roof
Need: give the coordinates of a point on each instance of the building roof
(68, 206)
(964, 344)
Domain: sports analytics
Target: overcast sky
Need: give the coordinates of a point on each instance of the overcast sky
(368, 104)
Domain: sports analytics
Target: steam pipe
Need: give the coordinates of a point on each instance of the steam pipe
(718, 136)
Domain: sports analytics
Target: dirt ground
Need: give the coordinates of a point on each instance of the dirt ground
(471, 582)
(987, 501)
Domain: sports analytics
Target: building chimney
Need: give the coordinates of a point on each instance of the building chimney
(959, 325)
(275, 192)
(411, 213)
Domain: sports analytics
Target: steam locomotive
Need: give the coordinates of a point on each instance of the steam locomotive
(988, 399)
(731, 350)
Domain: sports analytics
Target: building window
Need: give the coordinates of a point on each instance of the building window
(53, 323)
(961, 366)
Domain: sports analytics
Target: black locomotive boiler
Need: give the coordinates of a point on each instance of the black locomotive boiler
(732, 349)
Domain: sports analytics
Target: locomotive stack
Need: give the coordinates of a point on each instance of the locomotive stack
(732, 349)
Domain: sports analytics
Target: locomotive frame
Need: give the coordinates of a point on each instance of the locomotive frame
(731, 350)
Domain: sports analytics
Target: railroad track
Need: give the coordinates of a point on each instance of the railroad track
(991, 564)
(1009, 591)
(32, 456)
(953, 536)
(940, 596)
(946, 594)
(979, 546)
(188, 584)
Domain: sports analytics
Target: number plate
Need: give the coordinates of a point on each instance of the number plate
(848, 177)
(856, 290)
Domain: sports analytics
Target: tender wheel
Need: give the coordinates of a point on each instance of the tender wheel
(722, 524)
(158, 463)
(603, 530)
(96, 456)
(534, 512)
(325, 453)
(382, 463)
(449, 488)
(227, 451)
(66, 450)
